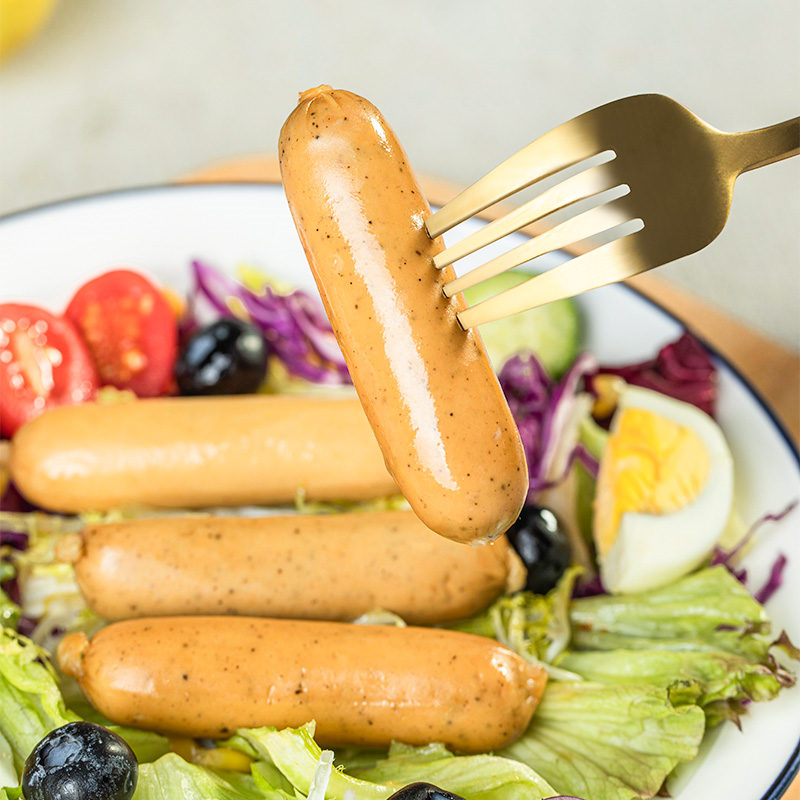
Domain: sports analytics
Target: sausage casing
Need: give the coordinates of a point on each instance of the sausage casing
(192, 452)
(298, 567)
(426, 384)
(364, 685)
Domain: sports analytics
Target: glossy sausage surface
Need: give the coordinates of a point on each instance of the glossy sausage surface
(192, 452)
(426, 385)
(328, 567)
(364, 685)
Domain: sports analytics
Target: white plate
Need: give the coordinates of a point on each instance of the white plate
(45, 253)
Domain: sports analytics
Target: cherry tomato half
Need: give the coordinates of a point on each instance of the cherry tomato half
(130, 329)
(43, 363)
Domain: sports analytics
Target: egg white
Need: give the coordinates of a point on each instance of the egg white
(651, 550)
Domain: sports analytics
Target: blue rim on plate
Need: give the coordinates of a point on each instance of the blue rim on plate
(792, 766)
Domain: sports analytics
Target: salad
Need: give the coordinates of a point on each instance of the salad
(636, 679)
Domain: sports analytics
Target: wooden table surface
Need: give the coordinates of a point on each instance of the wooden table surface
(773, 370)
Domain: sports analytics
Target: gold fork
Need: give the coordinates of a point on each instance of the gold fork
(671, 177)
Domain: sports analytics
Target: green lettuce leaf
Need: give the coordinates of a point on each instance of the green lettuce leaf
(295, 754)
(268, 777)
(708, 610)
(9, 611)
(533, 625)
(717, 681)
(603, 742)
(8, 773)
(29, 696)
(146, 745)
(479, 777)
(172, 778)
(32, 705)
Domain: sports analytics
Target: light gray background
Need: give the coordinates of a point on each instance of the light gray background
(119, 93)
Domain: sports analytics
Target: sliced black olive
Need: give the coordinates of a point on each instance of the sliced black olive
(424, 791)
(80, 761)
(543, 547)
(228, 356)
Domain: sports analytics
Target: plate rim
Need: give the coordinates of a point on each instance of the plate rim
(792, 766)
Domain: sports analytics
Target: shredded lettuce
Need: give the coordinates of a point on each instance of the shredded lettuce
(608, 742)
(391, 503)
(537, 627)
(50, 603)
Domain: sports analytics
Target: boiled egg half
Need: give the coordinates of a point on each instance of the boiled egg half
(664, 491)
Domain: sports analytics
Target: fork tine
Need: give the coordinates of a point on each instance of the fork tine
(579, 187)
(590, 223)
(606, 264)
(558, 149)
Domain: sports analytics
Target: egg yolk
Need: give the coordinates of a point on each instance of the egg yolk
(651, 465)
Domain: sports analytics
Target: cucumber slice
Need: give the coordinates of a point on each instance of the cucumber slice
(552, 332)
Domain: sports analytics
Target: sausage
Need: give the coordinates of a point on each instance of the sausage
(189, 452)
(300, 566)
(365, 685)
(426, 384)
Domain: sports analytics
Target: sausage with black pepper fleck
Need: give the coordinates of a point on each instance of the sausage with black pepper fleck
(365, 685)
(426, 384)
(327, 566)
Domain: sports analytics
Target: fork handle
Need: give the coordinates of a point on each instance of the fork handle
(753, 149)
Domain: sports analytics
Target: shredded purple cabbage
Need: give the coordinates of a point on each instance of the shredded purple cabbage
(682, 369)
(543, 409)
(775, 580)
(589, 588)
(294, 324)
(15, 539)
(26, 625)
(728, 557)
(12, 500)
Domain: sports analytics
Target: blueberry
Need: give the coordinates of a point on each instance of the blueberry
(543, 547)
(228, 356)
(424, 791)
(80, 761)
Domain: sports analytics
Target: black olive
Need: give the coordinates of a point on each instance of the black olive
(543, 547)
(424, 791)
(228, 356)
(80, 761)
